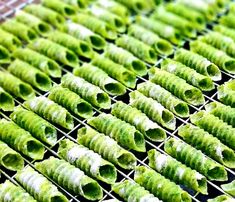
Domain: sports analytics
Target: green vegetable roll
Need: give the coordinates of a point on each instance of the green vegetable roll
(229, 188)
(71, 101)
(106, 147)
(77, 3)
(201, 64)
(13, 193)
(220, 58)
(70, 178)
(229, 32)
(45, 14)
(39, 61)
(50, 111)
(176, 86)
(122, 132)
(6, 101)
(55, 52)
(37, 126)
(160, 45)
(221, 198)
(20, 140)
(131, 191)
(81, 32)
(116, 71)
(20, 30)
(226, 113)
(29, 74)
(15, 86)
(176, 171)
(190, 75)
(87, 91)
(100, 78)
(33, 22)
(208, 144)
(226, 93)
(96, 25)
(39, 186)
(164, 97)
(79, 47)
(4, 55)
(135, 117)
(9, 41)
(153, 109)
(215, 126)
(88, 161)
(125, 58)
(137, 48)
(9, 158)
(228, 20)
(195, 159)
(161, 187)
(60, 7)
(135, 5)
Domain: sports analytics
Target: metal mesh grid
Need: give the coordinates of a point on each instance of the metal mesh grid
(7, 9)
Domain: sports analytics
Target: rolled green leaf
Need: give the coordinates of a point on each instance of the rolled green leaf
(137, 6)
(153, 109)
(180, 23)
(208, 144)
(55, 52)
(164, 97)
(29, 74)
(45, 14)
(221, 198)
(226, 113)
(15, 86)
(131, 191)
(19, 29)
(13, 193)
(229, 188)
(190, 75)
(165, 31)
(124, 133)
(125, 58)
(43, 63)
(9, 41)
(9, 158)
(33, 22)
(160, 45)
(228, 20)
(135, 117)
(77, 3)
(71, 101)
(87, 91)
(116, 71)
(176, 171)
(215, 126)
(226, 93)
(4, 55)
(196, 18)
(116, 22)
(176, 86)
(220, 58)
(39, 186)
(81, 32)
(195, 159)
(88, 161)
(96, 25)
(161, 187)
(79, 47)
(106, 147)
(20, 140)
(199, 63)
(229, 32)
(70, 178)
(6, 101)
(37, 126)
(60, 7)
(100, 78)
(50, 111)
(138, 48)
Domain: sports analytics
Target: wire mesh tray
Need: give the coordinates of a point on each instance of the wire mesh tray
(7, 9)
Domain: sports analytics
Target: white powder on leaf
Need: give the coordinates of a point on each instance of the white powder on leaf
(161, 161)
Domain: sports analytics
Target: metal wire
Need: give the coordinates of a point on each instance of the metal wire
(7, 9)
